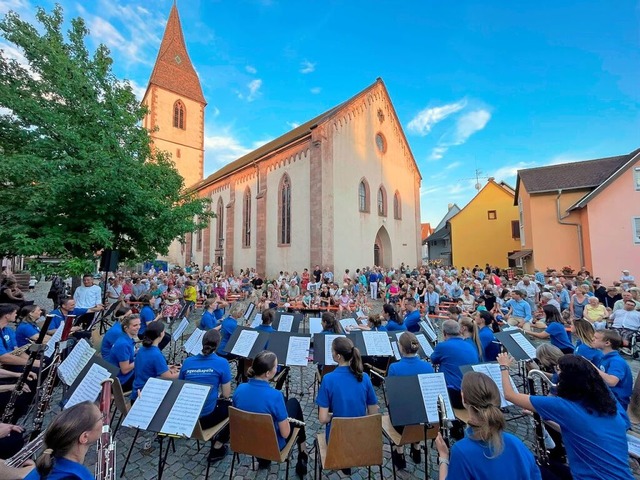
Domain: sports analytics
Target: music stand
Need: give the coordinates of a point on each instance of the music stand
(261, 339)
(319, 339)
(520, 348)
(279, 344)
(295, 319)
(103, 318)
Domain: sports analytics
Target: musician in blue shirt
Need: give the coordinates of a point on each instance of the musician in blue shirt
(412, 317)
(555, 330)
(584, 332)
(114, 333)
(27, 330)
(267, 321)
(228, 326)
(490, 345)
(67, 307)
(451, 355)
(8, 340)
(615, 372)
(593, 424)
(149, 360)
(208, 368)
(146, 313)
(208, 320)
(394, 323)
(258, 396)
(67, 440)
(122, 353)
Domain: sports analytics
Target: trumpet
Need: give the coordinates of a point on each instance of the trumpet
(445, 427)
(26, 452)
(542, 454)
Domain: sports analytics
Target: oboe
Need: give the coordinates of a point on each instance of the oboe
(542, 453)
(444, 423)
(9, 411)
(27, 452)
(106, 465)
(50, 381)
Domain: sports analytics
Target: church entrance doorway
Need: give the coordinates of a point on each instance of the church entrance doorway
(382, 249)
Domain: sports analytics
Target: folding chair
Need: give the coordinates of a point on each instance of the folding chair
(353, 442)
(410, 434)
(254, 434)
(204, 435)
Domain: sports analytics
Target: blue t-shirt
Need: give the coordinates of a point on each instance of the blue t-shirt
(558, 334)
(596, 445)
(64, 469)
(58, 316)
(473, 459)
(122, 351)
(207, 370)
(490, 346)
(344, 396)
(381, 328)
(218, 313)
(409, 366)
(24, 332)
(146, 315)
(393, 326)
(412, 321)
(613, 364)
(451, 355)
(592, 354)
(265, 328)
(208, 321)
(149, 363)
(229, 326)
(110, 338)
(7, 340)
(258, 396)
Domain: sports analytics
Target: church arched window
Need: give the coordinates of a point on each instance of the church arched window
(220, 223)
(284, 211)
(179, 115)
(382, 202)
(246, 218)
(397, 206)
(363, 196)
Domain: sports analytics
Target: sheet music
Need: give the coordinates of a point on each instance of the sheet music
(525, 344)
(328, 340)
(298, 351)
(493, 370)
(360, 314)
(285, 324)
(250, 308)
(424, 343)
(348, 323)
(257, 320)
(315, 325)
(377, 344)
(90, 386)
(432, 385)
(508, 328)
(429, 331)
(245, 342)
(180, 330)
(633, 445)
(193, 345)
(396, 352)
(185, 411)
(147, 404)
(69, 370)
(55, 338)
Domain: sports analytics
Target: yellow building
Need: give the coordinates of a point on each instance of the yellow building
(487, 229)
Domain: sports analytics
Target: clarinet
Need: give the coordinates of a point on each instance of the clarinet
(106, 464)
(296, 423)
(444, 423)
(27, 452)
(50, 381)
(542, 454)
(9, 411)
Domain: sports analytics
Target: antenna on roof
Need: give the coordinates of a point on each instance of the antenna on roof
(478, 176)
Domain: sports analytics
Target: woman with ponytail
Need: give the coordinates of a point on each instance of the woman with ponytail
(486, 452)
(394, 322)
(208, 368)
(67, 441)
(149, 360)
(122, 354)
(27, 329)
(258, 396)
(469, 331)
(347, 391)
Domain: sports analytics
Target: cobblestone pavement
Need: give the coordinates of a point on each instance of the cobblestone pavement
(187, 463)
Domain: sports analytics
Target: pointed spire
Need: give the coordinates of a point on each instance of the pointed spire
(173, 69)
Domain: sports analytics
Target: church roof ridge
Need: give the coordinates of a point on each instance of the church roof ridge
(173, 69)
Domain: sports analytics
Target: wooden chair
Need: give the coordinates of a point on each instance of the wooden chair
(254, 434)
(461, 414)
(410, 434)
(353, 442)
(204, 435)
(320, 375)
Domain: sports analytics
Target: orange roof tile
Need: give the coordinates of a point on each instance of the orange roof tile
(426, 230)
(173, 69)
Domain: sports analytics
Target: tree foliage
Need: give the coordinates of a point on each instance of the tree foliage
(77, 169)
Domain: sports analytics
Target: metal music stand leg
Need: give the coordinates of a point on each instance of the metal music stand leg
(133, 442)
(426, 454)
(160, 466)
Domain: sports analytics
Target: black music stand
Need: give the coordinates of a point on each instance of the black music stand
(425, 355)
(515, 350)
(113, 371)
(279, 344)
(295, 325)
(103, 319)
(319, 348)
(259, 344)
(249, 311)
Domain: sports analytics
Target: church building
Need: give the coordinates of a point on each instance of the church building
(340, 191)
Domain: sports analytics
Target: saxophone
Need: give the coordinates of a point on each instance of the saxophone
(50, 381)
(9, 411)
(27, 452)
(106, 465)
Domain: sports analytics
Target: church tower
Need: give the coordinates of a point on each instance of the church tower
(176, 104)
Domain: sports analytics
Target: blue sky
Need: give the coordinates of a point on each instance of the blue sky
(488, 85)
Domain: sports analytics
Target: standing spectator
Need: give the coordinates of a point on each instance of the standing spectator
(531, 290)
(599, 291)
(562, 296)
(579, 300)
(88, 295)
(626, 279)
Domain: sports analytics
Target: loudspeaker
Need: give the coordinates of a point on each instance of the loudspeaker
(109, 261)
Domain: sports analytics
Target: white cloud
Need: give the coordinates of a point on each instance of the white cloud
(259, 143)
(223, 148)
(437, 153)
(18, 6)
(565, 158)
(509, 172)
(466, 125)
(430, 190)
(424, 121)
(138, 90)
(293, 125)
(307, 67)
(251, 70)
(453, 165)
(254, 90)
(316, 90)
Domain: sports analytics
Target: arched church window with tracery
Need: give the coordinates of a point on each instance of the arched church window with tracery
(179, 115)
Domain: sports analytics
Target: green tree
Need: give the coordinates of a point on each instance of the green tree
(77, 170)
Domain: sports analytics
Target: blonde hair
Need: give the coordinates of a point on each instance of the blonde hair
(482, 398)
(583, 330)
(472, 328)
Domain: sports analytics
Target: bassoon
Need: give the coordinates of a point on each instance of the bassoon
(9, 411)
(106, 465)
(50, 381)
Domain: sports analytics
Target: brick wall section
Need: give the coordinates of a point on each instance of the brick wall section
(206, 244)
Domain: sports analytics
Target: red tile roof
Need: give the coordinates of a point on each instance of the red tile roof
(173, 69)
(426, 230)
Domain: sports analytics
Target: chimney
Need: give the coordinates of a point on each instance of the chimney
(450, 206)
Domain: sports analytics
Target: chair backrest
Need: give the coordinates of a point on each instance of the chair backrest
(121, 403)
(354, 442)
(415, 434)
(253, 434)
